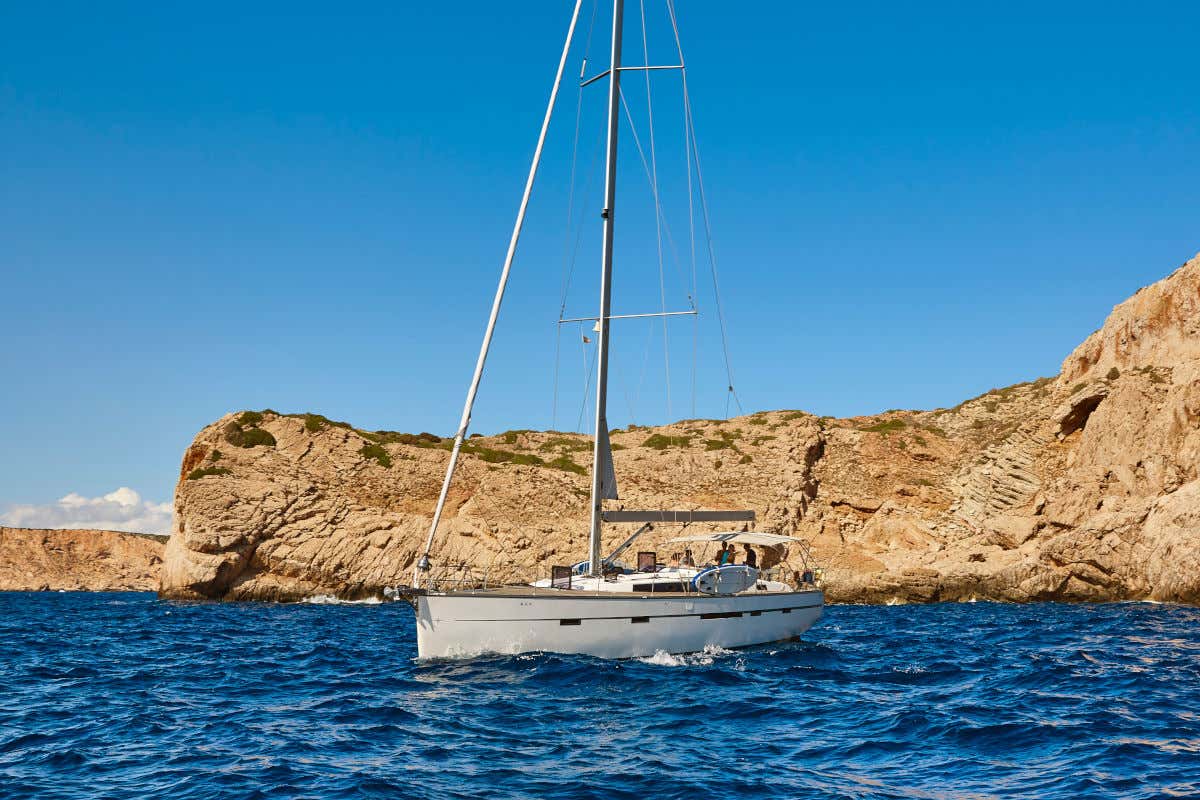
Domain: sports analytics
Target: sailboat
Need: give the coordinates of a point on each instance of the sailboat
(602, 606)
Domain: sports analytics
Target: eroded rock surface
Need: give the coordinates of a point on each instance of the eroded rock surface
(1079, 487)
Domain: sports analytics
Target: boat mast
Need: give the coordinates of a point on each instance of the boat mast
(600, 446)
(422, 564)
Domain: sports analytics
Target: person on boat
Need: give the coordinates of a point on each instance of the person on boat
(726, 556)
(751, 559)
(673, 561)
(688, 559)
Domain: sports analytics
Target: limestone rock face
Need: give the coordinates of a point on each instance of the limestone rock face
(1079, 487)
(78, 560)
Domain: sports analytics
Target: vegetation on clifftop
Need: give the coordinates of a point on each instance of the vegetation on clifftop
(239, 436)
(887, 426)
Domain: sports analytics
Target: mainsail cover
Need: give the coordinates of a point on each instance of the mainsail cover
(608, 475)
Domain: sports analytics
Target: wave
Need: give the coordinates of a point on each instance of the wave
(330, 600)
(704, 658)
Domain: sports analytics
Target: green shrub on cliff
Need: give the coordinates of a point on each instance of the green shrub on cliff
(250, 418)
(256, 437)
(565, 463)
(377, 452)
(316, 422)
(252, 437)
(415, 439)
(566, 443)
(888, 426)
(659, 442)
(204, 472)
(493, 456)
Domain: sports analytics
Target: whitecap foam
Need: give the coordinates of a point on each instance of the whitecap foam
(703, 658)
(663, 659)
(330, 600)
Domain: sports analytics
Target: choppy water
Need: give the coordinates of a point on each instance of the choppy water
(121, 696)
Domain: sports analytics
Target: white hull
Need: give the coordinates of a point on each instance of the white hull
(459, 624)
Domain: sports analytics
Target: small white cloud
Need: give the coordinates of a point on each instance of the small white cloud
(121, 510)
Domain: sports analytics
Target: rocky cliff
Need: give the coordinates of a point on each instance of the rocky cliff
(1077, 487)
(78, 560)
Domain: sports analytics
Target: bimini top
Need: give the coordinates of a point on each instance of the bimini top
(738, 537)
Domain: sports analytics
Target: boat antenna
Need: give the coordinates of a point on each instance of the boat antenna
(422, 564)
(601, 454)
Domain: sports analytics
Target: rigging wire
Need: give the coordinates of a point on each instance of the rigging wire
(575, 163)
(712, 257)
(422, 564)
(568, 261)
(662, 288)
(666, 227)
(589, 360)
(578, 242)
(712, 262)
(691, 196)
(691, 295)
(694, 185)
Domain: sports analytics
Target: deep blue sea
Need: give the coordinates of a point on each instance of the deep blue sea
(123, 696)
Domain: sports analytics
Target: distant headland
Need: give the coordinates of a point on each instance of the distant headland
(34, 560)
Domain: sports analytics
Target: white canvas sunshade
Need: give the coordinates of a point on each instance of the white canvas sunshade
(738, 537)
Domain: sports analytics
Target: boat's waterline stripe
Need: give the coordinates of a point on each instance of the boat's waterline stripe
(700, 614)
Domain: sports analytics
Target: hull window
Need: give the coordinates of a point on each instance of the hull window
(636, 620)
(722, 615)
(658, 587)
(569, 622)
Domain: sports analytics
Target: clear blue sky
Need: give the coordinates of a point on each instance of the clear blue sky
(305, 207)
